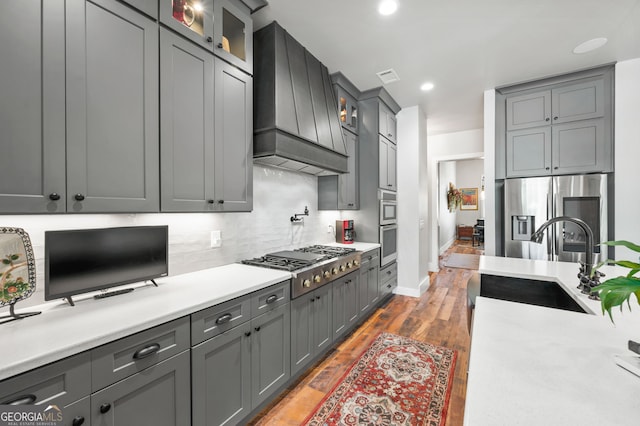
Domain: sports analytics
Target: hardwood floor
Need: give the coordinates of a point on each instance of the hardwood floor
(437, 317)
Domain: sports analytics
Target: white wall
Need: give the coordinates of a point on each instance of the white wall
(278, 194)
(447, 147)
(446, 219)
(627, 155)
(469, 175)
(413, 276)
(489, 136)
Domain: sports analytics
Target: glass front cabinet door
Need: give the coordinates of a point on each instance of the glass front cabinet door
(191, 18)
(233, 33)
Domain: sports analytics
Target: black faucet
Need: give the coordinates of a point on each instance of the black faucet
(588, 277)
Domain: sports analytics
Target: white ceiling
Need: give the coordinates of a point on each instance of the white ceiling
(463, 46)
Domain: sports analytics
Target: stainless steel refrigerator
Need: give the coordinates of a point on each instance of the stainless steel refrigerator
(529, 202)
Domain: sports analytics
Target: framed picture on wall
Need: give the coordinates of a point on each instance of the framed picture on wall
(469, 198)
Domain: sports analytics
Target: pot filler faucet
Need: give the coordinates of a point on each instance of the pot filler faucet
(587, 281)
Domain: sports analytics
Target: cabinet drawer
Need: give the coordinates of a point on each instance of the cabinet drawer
(217, 319)
(269, 298)
(389, 273)
(122, 358)
(60, 383)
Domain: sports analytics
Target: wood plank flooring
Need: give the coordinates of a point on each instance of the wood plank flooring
(438, 317)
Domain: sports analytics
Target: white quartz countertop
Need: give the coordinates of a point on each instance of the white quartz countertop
(532, 365)
(63, 330)
(357, 245)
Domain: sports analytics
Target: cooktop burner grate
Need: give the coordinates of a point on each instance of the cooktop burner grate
(281, 263)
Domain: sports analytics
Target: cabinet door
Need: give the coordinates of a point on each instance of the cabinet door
(112, 108)
(234, 138)
(302, 346)
(391, 167)
(352, 309)
(347, 110)
(78, 413)
(221, 379)
(383, 121)
(364, 300)
(233, 33)
(392, 127)
(270, 349)
(529, 152)
(322, 319)
(192, 19)
(348, 193)
(32, 114)
(530, 110)
(157, 396)
(383, 162)
(186, 125)
(580, 147)
(579, 101)
(372, 280)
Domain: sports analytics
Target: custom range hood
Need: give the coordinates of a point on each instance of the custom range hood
(296, 124)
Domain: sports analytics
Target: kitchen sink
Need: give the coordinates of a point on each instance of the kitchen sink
(533, 292)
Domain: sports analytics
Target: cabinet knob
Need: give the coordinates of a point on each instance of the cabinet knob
(547, 119)
(211, 201)
(271, 299)
(220, 201)
(555, 118)
(555, 168)
(389, 184)
(77, 421)
(79, 197)
(104, 408)
(54, 196)
(247, 333)
(317, 297)
(547, 168)
(219, 45)
(209, 39)
(257, 328)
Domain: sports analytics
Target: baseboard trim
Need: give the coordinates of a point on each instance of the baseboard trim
(407, 291)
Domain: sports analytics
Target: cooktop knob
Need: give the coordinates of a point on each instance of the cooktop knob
(306, 283)
(342, 267)
(317, 278)
(334, 271)
(327, 274)
(356, 262)
(349, 265)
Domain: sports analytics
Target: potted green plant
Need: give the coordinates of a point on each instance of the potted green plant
(618, 290)
(454, 198)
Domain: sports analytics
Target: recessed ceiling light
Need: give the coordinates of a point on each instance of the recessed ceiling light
(590, 45)
(387, 7)
(426, 87)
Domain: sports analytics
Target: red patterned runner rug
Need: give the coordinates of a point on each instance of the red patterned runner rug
(396, 381)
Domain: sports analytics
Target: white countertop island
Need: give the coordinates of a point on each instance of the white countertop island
(532, 365)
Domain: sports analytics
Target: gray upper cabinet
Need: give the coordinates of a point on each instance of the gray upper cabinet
(186, 125)
(233, 33)
(341, 192)
(387, 164)
(347, 110)
(32, 114)
(192, 19)
(112, 108)
(387, 124)
(559, 126)
(149, 7)
(234, 138)
(157, 396)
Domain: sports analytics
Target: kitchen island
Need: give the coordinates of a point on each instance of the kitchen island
(532, 365)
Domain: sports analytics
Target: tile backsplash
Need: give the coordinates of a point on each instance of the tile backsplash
(277, 195)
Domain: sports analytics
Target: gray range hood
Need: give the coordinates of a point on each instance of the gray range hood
(296, 124)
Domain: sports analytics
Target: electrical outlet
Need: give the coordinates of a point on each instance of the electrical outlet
(216, 239)
(329, 229)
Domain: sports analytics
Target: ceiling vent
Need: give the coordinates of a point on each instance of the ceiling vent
(388, 76)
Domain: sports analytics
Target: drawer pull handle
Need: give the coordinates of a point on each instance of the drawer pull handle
(389, 272)
(247, 333)
(104, 408)
(271, 299)
(224, 319)
(77, 421)
(372, 268)
(146, 351)
(22, 400)
(388, 285)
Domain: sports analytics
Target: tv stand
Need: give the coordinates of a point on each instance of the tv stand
(13, 316)
(154, 282)
(113, 293)
(70, 300)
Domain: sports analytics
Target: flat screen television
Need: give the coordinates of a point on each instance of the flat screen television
(84, 260)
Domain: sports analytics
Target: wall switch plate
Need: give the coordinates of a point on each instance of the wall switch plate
(216, 239)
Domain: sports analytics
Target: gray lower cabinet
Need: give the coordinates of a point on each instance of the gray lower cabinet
(157, 396)
(311, 327)
(221, 383)
(341, 192)
(345, 308)
(387, 164)
(112, 108)
(368, 286)
(388, 280)
(270, 353)
(32, 117)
